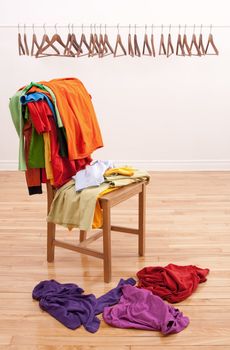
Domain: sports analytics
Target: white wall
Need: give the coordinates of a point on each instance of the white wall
(163, 113)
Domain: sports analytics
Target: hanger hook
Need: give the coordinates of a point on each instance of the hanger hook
(118, 28)
(95, 27)
(146, 28)
(33, 28)
(210, 28)
(91, 28)
(201, 27)
(162, 29)
(100, 28)
(82, 26)
(185, 27)
(135, 29)
(179, 28)
(69, 27)
(24, 28)
(18, 28)
(152, 29)
(44, 27)
(105, 28)
(170, 28)
(194, 28)
(55, 26)
(129, 28)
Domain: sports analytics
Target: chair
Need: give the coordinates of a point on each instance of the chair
(107, 202)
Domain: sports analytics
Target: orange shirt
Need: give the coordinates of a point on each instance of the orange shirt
(78, 116)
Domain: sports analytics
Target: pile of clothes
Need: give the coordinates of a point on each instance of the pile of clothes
(127, 305)
(76, 204)
(58, 130)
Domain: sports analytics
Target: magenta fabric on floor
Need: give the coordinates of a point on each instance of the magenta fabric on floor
(139, 308)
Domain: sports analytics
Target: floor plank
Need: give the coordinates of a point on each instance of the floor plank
(188, 222)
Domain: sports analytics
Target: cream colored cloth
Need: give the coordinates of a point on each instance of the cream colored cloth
(76, 209)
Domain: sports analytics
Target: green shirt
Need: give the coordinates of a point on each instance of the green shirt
(36, 159)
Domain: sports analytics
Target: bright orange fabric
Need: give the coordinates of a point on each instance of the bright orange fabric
(48, 164)
(78, 116)
(98, 218)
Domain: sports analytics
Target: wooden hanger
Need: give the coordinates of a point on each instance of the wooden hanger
(55, 39)
(136, 47)
(162, 44)
(102, 51)
(152, 43)
(46, 39)
(97, 44)
(170, 49)
(130, 46)
(211, 42)
(25, 42)
(72, 44)
(106, 48)
(137, 51)
(200, 42)
(146, 44)
(93, 43)
(119, 43)
(68, 41)
(185, 44)
(83, 41)
(179, 46)
(201, 45)
(21, 49)
(34, 43)
(194, 43)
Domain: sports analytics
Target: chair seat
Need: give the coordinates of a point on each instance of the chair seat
(108, 201)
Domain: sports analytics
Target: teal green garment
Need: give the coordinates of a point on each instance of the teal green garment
(16, 114)
(18, 120)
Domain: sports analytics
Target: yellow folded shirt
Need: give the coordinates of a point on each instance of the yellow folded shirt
(126, 171)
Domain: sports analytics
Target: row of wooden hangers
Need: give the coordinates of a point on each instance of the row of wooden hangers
(99, 44)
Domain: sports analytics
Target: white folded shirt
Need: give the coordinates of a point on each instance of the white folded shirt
(92, 175)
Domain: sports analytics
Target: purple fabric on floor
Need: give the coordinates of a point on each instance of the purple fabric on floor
(113, 296)
(50, 287)
(139, 308)
(67, 303)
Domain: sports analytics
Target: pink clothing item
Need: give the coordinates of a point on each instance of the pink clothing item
(139, 308)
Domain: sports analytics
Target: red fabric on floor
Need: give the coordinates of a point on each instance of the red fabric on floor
(173, 283)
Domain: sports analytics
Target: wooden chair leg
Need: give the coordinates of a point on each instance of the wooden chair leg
(141, 220)
(107, 241)
(50, 241)
(50, 225)
(82, 235)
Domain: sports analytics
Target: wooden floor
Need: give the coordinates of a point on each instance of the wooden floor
(188, 222)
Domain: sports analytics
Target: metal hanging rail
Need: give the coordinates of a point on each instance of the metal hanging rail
(98, 26)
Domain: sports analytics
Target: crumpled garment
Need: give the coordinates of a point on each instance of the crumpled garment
(67, 303)
(173, 283)
(140, 309)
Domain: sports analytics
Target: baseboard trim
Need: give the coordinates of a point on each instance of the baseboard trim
(155, 165)
(8, 165)
(178, 165)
